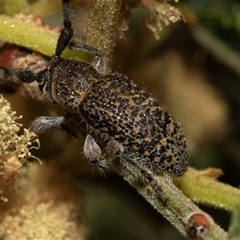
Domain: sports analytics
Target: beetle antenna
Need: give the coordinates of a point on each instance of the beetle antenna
(66, 33)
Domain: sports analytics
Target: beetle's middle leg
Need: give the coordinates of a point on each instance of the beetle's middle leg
(93, 153)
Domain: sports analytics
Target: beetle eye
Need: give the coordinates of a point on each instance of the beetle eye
(41, 80)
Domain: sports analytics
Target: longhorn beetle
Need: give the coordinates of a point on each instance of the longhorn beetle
(138, 129)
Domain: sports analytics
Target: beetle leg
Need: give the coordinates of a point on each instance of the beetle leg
(44, 123)
(115, 148)
(25, 76)
(97, 62)
(93, 153)
(91, 150)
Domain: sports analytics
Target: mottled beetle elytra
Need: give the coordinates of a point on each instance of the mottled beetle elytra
(111, 104)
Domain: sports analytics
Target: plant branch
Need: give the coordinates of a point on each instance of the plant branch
(103, 16)
(196, 185)
(27, 34)
(178, 209)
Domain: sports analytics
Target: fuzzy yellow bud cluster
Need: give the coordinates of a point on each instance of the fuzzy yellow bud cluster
(32, 206)
(14, 148)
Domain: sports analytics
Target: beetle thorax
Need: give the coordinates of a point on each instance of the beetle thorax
(70, 81)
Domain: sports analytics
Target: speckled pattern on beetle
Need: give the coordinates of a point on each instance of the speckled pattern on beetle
(110, 104)
(116, 106)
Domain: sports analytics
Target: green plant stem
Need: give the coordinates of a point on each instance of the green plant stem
(29, 35)
(206, 190)
(177, 208)
(103, 16)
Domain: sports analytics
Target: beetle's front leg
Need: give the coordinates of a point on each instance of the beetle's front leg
(25, 76)
(44, 123)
